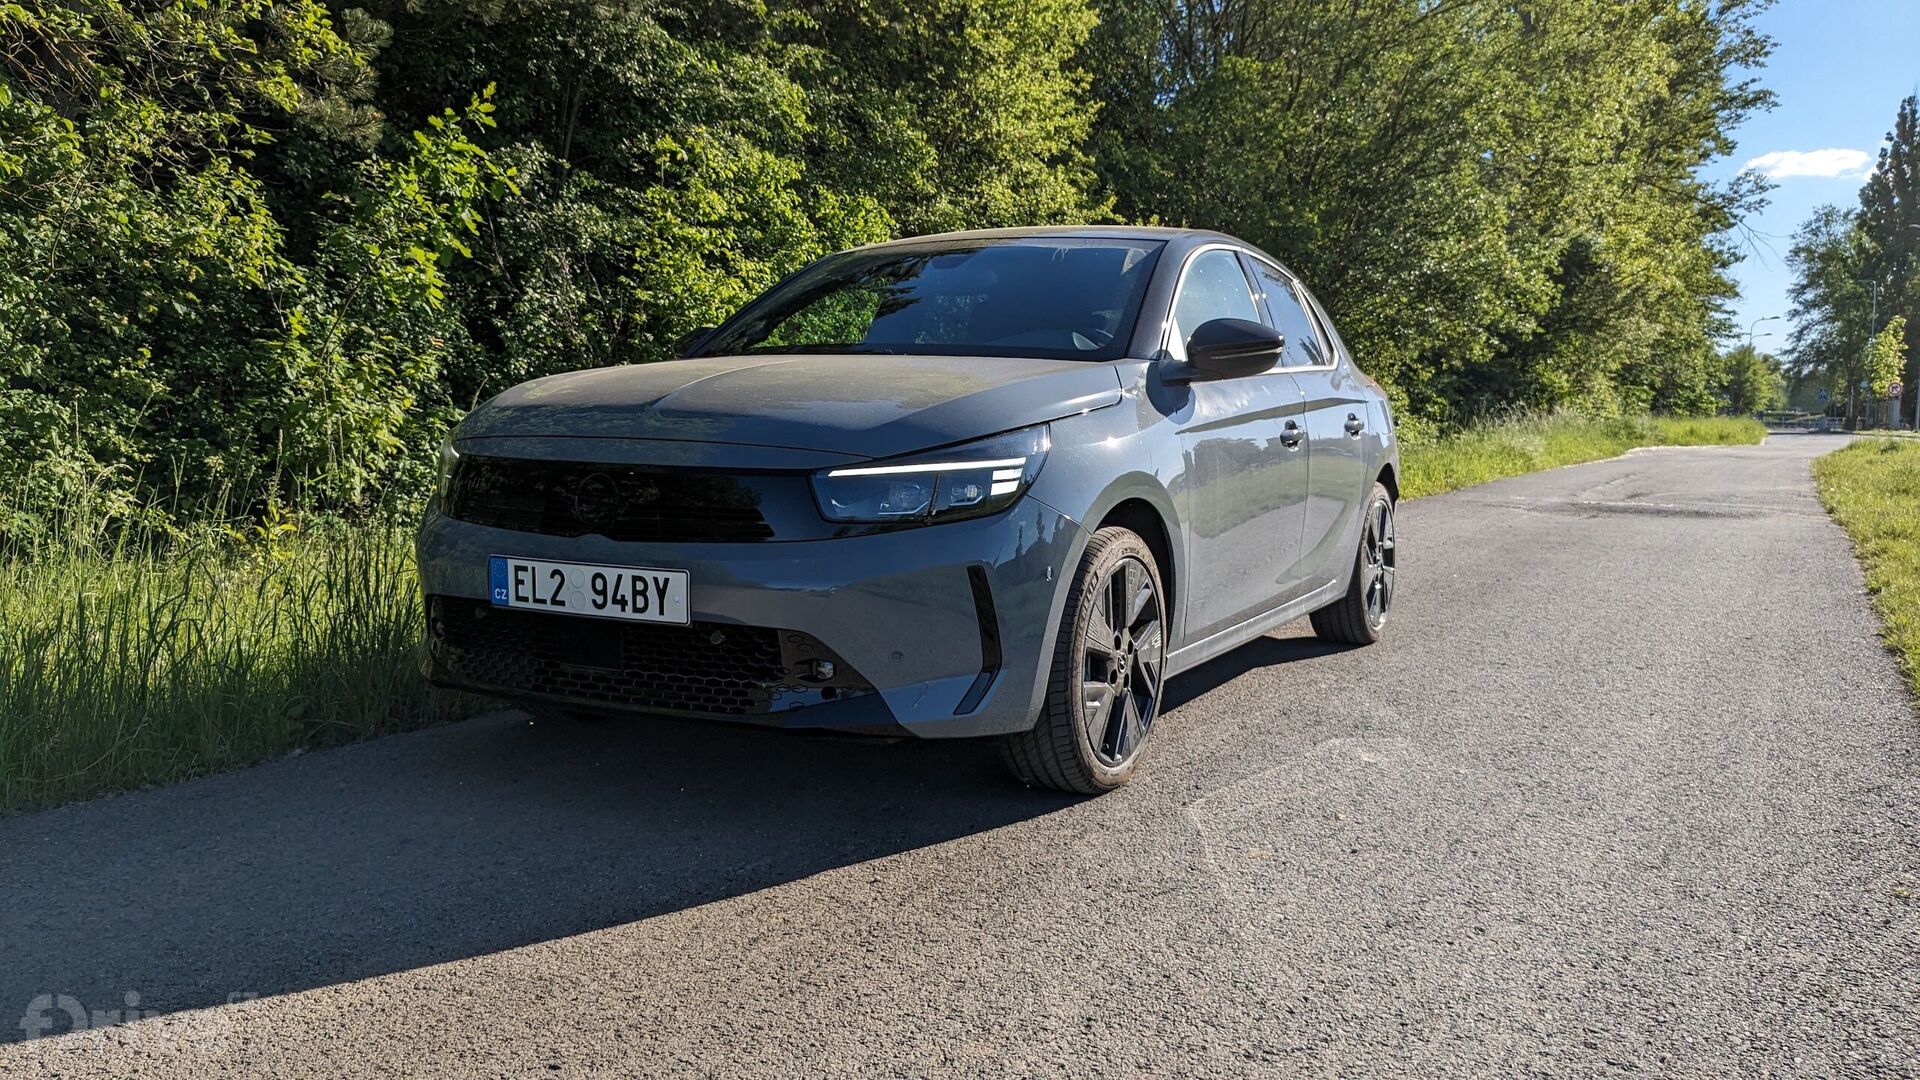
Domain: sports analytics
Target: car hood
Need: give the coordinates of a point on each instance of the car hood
(861, 405)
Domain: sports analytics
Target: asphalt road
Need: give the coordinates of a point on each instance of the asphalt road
(1631, 787)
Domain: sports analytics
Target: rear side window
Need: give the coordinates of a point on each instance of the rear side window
(1214, 288)
(1304, 347)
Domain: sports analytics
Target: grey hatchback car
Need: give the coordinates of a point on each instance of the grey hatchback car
(999, 483)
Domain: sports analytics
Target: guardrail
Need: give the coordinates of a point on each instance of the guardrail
(1804, 423)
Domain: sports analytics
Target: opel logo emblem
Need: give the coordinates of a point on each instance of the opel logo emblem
(596, 500)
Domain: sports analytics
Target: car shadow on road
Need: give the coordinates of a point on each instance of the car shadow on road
(465, 840)
(1261, 652)
(449, 843)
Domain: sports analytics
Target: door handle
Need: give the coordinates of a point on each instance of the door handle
(1291, 435)
(1355, 425)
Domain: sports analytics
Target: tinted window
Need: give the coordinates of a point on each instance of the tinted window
(1214, 288)
(1291, 319)
(1329, 333)
(1052, 297)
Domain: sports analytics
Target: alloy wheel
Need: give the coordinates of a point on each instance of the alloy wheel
(1124, 647)
(1378, 556)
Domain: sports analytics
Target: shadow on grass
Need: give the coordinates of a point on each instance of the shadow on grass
(464, 840)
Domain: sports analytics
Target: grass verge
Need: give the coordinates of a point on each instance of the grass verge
(1496, 448)
(136, 664)
(1872, 488)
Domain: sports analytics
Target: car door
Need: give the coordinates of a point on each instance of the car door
(1336, 419)
(1244, 487)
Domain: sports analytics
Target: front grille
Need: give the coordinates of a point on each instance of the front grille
(712, 669)
(620, 502)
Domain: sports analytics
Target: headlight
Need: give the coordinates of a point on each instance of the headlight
(449, 457)
(972, 480)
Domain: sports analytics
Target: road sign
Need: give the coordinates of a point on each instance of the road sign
(1822, 395)
(1895, 391)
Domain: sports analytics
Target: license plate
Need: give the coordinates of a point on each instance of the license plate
(636, 593)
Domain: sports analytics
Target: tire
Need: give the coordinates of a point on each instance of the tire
(1094, 660)
(1360, 617)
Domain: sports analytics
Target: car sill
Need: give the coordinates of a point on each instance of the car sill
(1192, 656)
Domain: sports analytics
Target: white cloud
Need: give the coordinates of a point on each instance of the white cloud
(1833, 163)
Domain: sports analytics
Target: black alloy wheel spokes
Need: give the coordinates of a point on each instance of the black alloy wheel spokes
(1379, 569)
(1125, 651)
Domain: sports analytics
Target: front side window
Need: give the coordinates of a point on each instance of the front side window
(1214, 288)
(1066, 298)
(1304, 348)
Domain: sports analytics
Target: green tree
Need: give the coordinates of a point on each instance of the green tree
(369, 328)
(1890, 215)
(1749, 381)
(1886, 357)
(1499, 202)
(1833, 302)
(676, 162)
(162, 336)
(662, 156)
(952, 114)
(141, 267)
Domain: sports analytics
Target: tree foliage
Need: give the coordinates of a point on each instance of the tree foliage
(1498, 201)
(1890, 217)
(1854, 278)
(1748, 381)
(1886, 357)
(1833, 302)
(246, 246)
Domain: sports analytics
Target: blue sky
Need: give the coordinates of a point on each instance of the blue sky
(1840, 69)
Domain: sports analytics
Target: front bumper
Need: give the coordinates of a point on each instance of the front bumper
(903, 610)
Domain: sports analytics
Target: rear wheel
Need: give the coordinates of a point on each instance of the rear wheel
(1103, 694)
(1359, 617)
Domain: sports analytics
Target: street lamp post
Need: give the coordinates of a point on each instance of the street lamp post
(1755, 325)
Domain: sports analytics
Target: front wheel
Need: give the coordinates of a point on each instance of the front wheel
(1359, 617)
(1104, 691)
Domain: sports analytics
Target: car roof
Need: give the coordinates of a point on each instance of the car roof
(1181, 239)
(1088, 232)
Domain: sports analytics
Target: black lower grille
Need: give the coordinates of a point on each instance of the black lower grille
(620, 502)
(716, 669)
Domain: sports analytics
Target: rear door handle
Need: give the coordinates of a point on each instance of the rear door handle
(1355, 425)
(1291, 435)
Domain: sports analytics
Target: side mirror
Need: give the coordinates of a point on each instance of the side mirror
(684, 344)
(1229, 349)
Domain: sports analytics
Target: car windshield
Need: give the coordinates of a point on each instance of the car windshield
(1067, 298)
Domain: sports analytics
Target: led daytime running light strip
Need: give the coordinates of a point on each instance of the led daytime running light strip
(1000, 464)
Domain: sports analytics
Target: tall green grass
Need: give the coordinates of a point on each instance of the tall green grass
(1872, 488)
(132, 657)
(1492, 449)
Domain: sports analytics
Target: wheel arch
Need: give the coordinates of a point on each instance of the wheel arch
(1389, 477)
(1139, 503)
(1139, 517)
